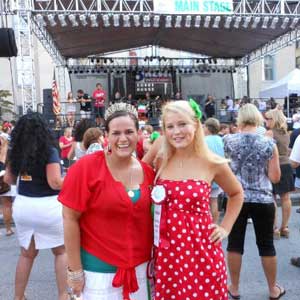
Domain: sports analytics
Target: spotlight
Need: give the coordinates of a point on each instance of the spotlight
(216, 22)
(246, 22)
(265, 23)
(106, 22)
(62, 20)
(156, 20)
(215, 61)
(40, 20)
(274, 22)
(228, 22)
(146, 21)
(178, 21)
(136, 20)
(237, 22)
(126, 20)
(207, 21)
(93, 19)
(83, 20)
(294, 23)
(73, 21)
(116, 19)
(168, 22)
(285, 22)
(255, 22)
(52, 21)
(197, 21)
(188, 21)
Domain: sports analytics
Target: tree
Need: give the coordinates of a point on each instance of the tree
(6, 107)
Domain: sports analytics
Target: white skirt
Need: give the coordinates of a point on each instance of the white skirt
(40, 217)
(98, 286)
(11, 193)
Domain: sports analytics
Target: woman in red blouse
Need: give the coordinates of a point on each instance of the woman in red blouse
(107, 219)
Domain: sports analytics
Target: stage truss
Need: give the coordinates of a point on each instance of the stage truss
(268, 14)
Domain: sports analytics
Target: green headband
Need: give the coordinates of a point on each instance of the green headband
(196, 108)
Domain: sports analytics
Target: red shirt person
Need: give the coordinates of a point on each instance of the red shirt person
(99, 95)
(65, 144)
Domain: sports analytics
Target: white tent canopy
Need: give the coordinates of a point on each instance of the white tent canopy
(290, 84)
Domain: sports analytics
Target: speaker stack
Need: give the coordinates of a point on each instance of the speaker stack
(8, 46)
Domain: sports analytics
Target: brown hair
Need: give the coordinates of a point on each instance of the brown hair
(91, 136)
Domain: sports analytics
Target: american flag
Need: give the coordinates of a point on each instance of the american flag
(55, 96)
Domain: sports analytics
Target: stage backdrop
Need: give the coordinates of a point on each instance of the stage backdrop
(219, 85)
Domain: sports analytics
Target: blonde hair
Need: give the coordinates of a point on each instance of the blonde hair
(248, 114)
(184, 109)
(279, 119)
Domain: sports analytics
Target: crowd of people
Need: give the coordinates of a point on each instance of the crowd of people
(133, 212)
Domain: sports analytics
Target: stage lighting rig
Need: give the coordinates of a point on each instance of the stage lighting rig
(93, 19)
(62, 20)
(255, 22)
(216, 22)
(178, 21)
(116, 20)
(197, 21)
(294, 23)
(105, 19)
(73, 21)
(126, 20)
(285, 23)
(146, 21)
(83, 20)
(40, 20)
(168, 22)
(274, 22)
(156, 20)
(228, 22)
(247, 20)
(188, 21)
(207, 21)
(136, 20)
(237, 22)
(265, 22)
(51, 19)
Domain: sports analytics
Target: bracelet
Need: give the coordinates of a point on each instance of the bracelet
(75, 275)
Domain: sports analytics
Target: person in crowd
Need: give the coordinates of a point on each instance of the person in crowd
(93, 140)
(117, 97)
(276, 123)
(65, 145)
(6, 190)
(215, 144)
(189, 261)
(148, 129)
(99, 96)
(295, 133)
(295, 162)
(296, 119)
(262, 105)
(178, 95)
(233, 128)
(209, 107)
(230, 105)
(107, 219)
(34, 159)
(224, 129)
(70, 109)
(255, 161)
(78, 150)
(85, 104)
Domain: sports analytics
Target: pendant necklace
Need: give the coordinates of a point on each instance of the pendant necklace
(130, 192)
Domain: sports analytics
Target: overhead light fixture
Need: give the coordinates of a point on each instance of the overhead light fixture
(146, 21)
(265, 22)
(188, 21)
(126, 20)
(116, 20)
(207, 21)
(62, 20)
(197, 21)
(237, 22)
(156, 20)
(52, 21)
(294, 22)
(178, 21)
(168, 21)
(274, 22)
(83, 20)
(136, 20)
(93, 19)
(285, 23)
(73, 21)
(106, 22)
(216, 22)
(247, 21)
(40, 20)
(228, 22)
(255, 22)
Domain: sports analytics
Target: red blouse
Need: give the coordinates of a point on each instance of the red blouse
(112, 227)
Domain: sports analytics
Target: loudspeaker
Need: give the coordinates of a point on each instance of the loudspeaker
(8, 45)
(48, 106)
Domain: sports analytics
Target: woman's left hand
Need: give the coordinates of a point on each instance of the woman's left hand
(219, 233)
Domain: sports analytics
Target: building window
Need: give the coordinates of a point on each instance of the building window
(298, 45)
(269, 67)
(298, 62)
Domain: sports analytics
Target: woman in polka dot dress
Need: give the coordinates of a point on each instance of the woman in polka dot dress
(189, 261)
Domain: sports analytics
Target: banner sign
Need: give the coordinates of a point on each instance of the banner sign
(205, 7)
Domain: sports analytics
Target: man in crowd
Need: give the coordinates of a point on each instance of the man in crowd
(85, 104)
(99, 96)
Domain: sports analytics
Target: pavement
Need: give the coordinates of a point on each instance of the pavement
(253, 286)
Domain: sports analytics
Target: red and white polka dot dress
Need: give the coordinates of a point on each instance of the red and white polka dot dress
(188, 266)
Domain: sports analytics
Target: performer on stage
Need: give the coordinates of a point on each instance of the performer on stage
(107, 219)
(189, 261)
(99, 96)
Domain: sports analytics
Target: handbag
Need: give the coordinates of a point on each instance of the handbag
(4, 187)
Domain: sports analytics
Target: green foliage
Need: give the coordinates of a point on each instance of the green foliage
(6, 106)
